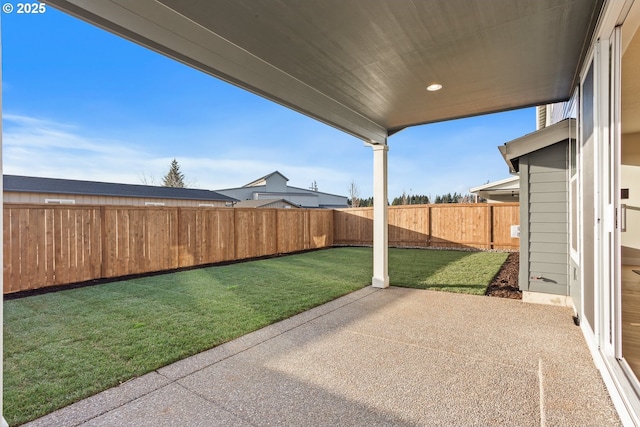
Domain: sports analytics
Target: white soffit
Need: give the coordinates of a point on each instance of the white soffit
(507, 184)
(363, 66)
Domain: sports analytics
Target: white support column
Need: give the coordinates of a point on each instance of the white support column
(380, 218)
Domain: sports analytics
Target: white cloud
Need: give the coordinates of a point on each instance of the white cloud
(39, 147)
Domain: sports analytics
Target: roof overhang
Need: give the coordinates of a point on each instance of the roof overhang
(363, 66)
(513, 150)
(504, 185)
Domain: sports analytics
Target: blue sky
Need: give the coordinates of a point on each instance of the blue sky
(81, 103)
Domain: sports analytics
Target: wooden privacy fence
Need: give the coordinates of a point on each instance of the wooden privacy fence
(60, 244)
(56, 245)
(480, 226)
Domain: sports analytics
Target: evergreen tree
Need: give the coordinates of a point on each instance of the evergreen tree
(365, 203)
(174, 178)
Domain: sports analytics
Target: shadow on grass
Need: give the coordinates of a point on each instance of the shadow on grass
(451, 271)
(61, 347)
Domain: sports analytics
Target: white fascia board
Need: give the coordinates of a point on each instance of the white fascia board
(540, 139)
(561, 131)
(159, 28)
(510, 183)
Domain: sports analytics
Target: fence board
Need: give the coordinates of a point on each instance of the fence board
(292, 230)
(56, 245)
(409, 226)
(353, 226)
(504, 216)
(320, 228)
(254, 232)
(480, 226)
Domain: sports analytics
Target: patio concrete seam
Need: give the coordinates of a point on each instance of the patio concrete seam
(543, 418)
(214, 402)
(348, 301)
(124, 403)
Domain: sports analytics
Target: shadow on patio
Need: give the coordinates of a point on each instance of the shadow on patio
(376, 357)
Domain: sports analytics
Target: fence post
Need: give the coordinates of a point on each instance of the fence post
(103, 241)
(429, 228)
(490, 228)
(235, 234)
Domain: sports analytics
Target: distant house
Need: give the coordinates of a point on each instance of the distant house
(274, 187)
(268, 203)
(503, 191)
(35, 190)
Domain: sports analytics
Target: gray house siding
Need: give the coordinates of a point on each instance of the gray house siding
(544, 202)
(274, 186)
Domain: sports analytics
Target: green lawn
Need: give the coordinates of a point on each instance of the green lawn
(65, 346)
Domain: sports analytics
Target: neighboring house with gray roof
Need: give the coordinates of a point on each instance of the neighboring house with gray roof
(35, 190)
(274, 187)
(269, 203)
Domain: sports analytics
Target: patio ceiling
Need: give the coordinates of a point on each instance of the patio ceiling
(363, 66)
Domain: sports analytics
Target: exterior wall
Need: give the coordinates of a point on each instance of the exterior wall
(39, 198)
(300, 196)
(324, 199)
(544, 252)
(242, 193)
(304, 200)
(501, 198)
(276, 183)
(280, 205)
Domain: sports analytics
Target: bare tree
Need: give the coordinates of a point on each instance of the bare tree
(147, 180)
(354, 194)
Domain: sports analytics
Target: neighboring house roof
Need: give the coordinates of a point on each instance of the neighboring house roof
(504, 187)
(263, 180)
(262, 203)
(513, 150)
(305, 191)
(31, 184)
(274, 186)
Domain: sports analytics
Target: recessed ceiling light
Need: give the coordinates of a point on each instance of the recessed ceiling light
(434, 87)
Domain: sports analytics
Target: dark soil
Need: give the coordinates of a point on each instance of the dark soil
(505, 284)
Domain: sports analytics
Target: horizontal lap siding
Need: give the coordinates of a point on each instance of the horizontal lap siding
(547, 205)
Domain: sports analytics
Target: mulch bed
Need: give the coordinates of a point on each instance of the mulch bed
(505, 284)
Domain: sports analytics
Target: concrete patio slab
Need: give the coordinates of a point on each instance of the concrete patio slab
(378, 357)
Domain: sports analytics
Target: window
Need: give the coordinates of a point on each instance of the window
(60, 201)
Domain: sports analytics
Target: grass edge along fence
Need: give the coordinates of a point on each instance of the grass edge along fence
(52, 245)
